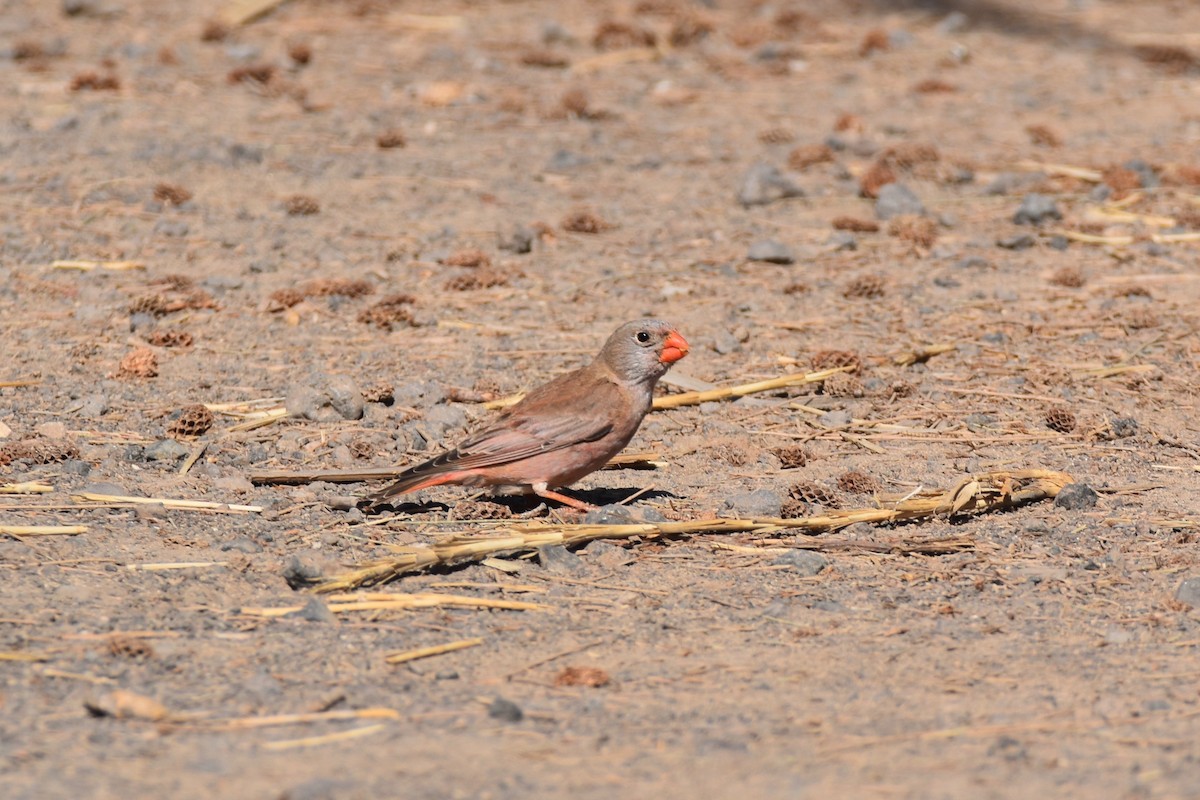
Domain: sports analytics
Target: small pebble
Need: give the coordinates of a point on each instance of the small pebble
(559, 560)
(325, 398)
(896, 200)
(764, 184)
(1076, 497)
(241, 545)
(505, 710)
(1036, 208)
(805, 562)
(771, 251)
(1189, 592)
(757, 503)
(164, 450)
(314, 610)
(1022, 241)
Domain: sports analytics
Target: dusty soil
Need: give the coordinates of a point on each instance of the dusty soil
(254, 174)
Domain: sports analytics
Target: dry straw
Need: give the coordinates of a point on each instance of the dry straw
(976, 494)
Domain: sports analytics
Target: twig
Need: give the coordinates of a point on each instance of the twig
(43, 530)
(922, 354)
(435, 650)
(27, 487)
(88, 266)
(168, 565)
(174, 505)
(18, 384)
(249, 723)
(329, 738)
(973, 495)
(384, 602)
(193, 457)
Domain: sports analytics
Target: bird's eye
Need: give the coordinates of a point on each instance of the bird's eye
(642, 336)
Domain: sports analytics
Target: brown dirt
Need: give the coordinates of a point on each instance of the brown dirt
(368, 141)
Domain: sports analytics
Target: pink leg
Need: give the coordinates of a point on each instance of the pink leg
(543, 491)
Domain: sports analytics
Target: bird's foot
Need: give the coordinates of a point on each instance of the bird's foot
(541, 490)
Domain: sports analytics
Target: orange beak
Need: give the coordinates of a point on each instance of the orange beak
(674, 348)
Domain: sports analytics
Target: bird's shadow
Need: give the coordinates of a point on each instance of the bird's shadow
(519, 504)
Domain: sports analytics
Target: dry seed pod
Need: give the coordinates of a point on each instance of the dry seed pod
(193, 420)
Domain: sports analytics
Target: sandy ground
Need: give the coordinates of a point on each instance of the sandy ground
(413, 208)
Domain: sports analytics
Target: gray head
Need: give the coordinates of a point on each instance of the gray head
(643, 350)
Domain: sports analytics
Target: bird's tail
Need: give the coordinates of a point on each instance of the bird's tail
(421, 476)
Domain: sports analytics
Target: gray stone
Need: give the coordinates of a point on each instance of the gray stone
(165, 450)
(1022, 241)
(314, 610)
(325, 398)
(806, 562)
(93, 406)
(1123, 427)
(1189, 592)
(520, 241)
(725, 343)
(757, 503)
(303, 570)
(1035, 209)
(561, 561)
(505, 710)
(566, 161)
(771, 251)
(1076, 497)
(1011, 182)
(104, 487)
(172, 227)
(764, 184)
(1146, 173)
(841, 241)
(838, 418)
(609, 515)
(607, 555)
(896, 200)
(242, 544)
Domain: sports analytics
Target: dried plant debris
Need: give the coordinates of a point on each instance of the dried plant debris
(391, 139)
(807, 155)
(193, 420)
(382, 393)
(253, 73)
(169, 337)
(583, 220)
(591, 677)
(477, 279)
(855, 224)
(813, 494)
(390, 312)
(480, 509)
(545, 58)
(1172, 58)
(469, 257)
(284, 298)
(776, 136)
(361, 448)
(855, 482)
(910, 154)
(831, 359)
(301, 205)
(301, 53)
(1060, 419)
(142, 362)
(791, 456)
(934, 86)
(878, 175)
(1070, 277)
(875, 41)
(919, 231)
(843, 385)
(214, 31)
(95, 82)
(865, 287)
(37, 451)
(1044, 136)
(614, 35)
(171, 194)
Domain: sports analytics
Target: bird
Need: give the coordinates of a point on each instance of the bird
(562, 430)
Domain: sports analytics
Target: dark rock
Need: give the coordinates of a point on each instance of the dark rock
(771, 251)
(1012, 182)
(241, 545)
(1059, 242)
(972, 262)
(1123, 427)
(302, 570)
(896, 200)
(561, 561)
(1145, 172)
(165, 450)
(765, 184)
(314, 610)
(446, 675)
(758, 503)
(324, 398)
(93, 406)
(505, 710)
(1189, 592)
(1035, 209)
(607, 555)
(566, 161)
(520, 241)
(1076, 497)
(806, 562)
(609, 515)
(1022, 241)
